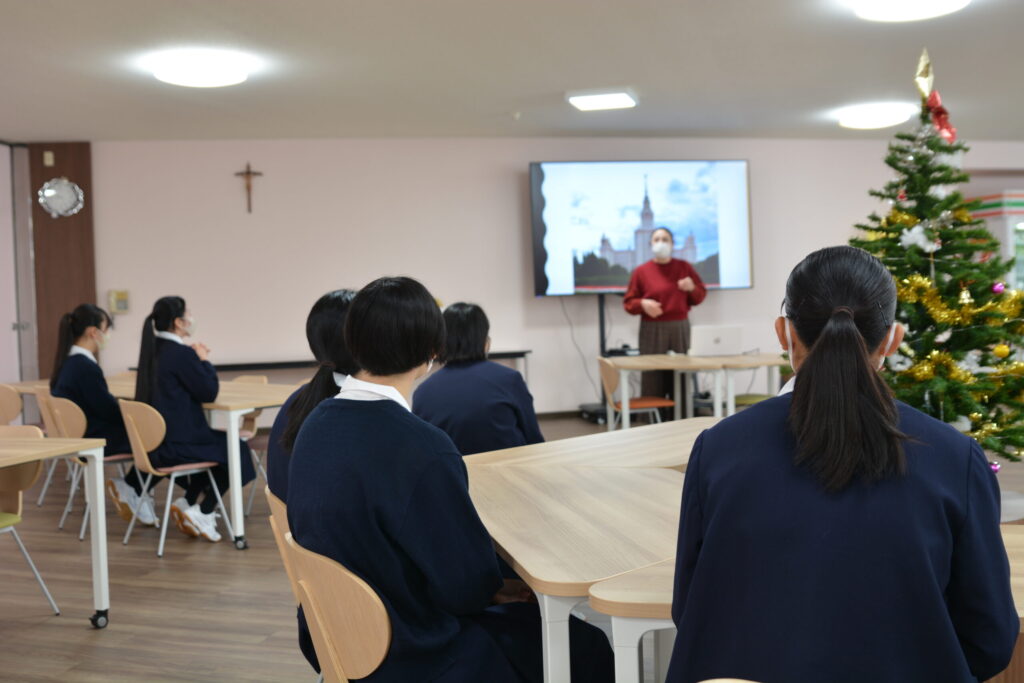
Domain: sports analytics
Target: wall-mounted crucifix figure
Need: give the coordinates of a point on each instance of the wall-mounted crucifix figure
(248, 174)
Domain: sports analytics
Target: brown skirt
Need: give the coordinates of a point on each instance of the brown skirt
(659, 337)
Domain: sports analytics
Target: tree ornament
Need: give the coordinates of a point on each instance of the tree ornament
(902, 196)
(943, 337)
(940, 117)
(924, 78)
(998, 287)
(916, 237)
(1001, 351)
(965, 297)
(994, 466)
(963, 215)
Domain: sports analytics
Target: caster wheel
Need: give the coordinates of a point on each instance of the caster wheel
(240, 543)
(99, 620)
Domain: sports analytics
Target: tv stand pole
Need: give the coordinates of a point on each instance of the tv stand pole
(600, 325)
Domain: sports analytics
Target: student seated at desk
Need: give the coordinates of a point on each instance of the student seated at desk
(177, 379)
(324, 326)
(386, 494)
(833, 533)
(78, 377)
(481, 405)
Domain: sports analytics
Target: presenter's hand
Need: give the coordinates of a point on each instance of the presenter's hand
(651, 307)
(202, 350)
(687, 285)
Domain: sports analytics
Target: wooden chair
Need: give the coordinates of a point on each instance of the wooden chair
(279, 526)
(50, 423)
(146, 430)
(639, 404)
(14, 480)
(349, 624)
(258, 443)
(70, 423)
(10, 404)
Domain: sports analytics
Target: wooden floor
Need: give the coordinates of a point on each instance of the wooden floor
(204, 612)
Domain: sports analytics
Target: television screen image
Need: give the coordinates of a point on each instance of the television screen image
(592, 221)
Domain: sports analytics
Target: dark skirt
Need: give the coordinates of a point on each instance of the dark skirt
(215, 449)
(660, 337)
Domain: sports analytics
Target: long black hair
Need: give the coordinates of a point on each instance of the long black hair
(842, 302)
(72, 326)
(325, 328)
(466, 329)
(165, 311)
(394, 325)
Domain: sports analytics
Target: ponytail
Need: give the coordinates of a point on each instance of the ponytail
(325, 326)
(842, 302)
(165, 311)
(72, 326)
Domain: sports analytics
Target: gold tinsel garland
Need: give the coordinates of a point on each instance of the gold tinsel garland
(920, 289)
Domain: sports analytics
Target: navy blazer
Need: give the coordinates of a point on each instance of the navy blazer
(481, 405)
(278, 456)
(777, 581)
(386, 494)
(81, 381)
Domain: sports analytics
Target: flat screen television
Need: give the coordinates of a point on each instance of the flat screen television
(592, 221)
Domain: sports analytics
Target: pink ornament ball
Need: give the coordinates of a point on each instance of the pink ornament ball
(994, 466)
(998, 288)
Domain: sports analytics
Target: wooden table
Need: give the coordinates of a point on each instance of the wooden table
(18, 451)
(722, 367)
(234, 400)
(659, 445)
(565, 528)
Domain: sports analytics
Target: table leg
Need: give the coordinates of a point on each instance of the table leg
(664, 641)
(688, 393)
(235, 477)
(677, 410)
(554, 616)
(98, 519)
(716, 393)
(626, 635)
(773, 379)
(624, 392)
(730, 393)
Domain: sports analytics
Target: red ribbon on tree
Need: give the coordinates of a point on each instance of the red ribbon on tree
(940, 117)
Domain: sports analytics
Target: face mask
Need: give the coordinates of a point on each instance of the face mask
(190, 328)
(892, 335)
(430, 365)
(661, 249)
(103, 339)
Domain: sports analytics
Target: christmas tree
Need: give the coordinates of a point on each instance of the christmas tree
(960, 360)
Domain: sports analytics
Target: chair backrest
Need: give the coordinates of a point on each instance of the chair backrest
(17, 478)
(146, 430)
(10, 403)
(69, 418)
(609, 379)
(279, 525)
(349, 625)
(49, 421)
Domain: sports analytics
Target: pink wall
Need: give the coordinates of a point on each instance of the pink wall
(454, 213)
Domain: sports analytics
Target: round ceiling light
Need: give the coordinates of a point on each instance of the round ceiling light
(197, 67)
(904, 10)
(874, 114)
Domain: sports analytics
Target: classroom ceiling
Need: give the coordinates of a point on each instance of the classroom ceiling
(372, 68)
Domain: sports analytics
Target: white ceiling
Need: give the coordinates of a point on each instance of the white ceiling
(369, 68)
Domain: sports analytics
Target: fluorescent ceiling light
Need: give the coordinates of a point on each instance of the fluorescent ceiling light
(904, 10)
(196, 67)
(592, 100)
(874, 114)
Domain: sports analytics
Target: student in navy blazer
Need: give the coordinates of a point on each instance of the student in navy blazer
(833, 534)
(324, 326)
(176, 379)
(386, 494)
(481, 405)
(78, 377)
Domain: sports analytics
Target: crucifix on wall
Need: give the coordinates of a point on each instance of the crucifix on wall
(248, 174)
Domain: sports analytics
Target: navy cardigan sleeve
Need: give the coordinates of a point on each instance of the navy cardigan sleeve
(691, 531)
(980, 602)
(96, 397)
(198, 377)
(525, 414)
(441, 524)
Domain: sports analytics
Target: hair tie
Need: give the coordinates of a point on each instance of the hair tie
(327, 364)
(842, 309)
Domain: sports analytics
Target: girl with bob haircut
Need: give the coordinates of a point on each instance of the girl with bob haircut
(78, 377)
(833, 533)
(386, 494)
(482, 406)
(177, 379)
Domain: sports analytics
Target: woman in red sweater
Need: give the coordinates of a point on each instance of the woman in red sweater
(662, 292)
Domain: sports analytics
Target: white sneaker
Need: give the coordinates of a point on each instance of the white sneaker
(126, 499)
(146, 514)
(205, 524)
(179, 512)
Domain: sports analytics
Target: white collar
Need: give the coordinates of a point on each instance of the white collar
(77, 350)
(169, 336)
(339, 379)
(787, 388)
(358, 390)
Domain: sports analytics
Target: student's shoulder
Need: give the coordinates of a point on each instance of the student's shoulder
(764, 416)
(926, 431)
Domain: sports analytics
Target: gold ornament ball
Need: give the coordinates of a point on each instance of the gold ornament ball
(1001, 351)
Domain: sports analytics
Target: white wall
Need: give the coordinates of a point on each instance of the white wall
(9, 367)
(170, 219)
